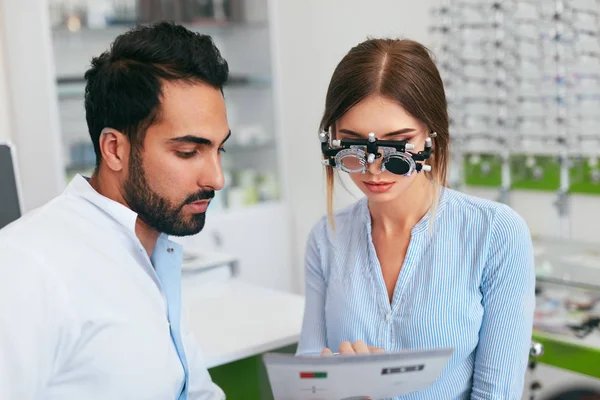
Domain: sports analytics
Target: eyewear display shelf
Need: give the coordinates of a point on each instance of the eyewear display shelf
(568, 305)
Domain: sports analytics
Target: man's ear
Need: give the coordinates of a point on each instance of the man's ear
(114, 147)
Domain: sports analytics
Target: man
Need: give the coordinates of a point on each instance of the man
(90, 291)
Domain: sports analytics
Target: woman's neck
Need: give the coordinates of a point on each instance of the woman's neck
(402, 214)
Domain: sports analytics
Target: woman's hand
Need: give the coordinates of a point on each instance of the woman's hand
(358, 347)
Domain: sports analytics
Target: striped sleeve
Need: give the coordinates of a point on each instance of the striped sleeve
(508, 299)
(313, 338)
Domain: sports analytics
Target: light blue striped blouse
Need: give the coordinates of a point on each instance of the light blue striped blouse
(469, 285)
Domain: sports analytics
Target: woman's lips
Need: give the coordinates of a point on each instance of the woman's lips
(378, 187)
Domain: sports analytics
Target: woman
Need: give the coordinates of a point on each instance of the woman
(414, 264)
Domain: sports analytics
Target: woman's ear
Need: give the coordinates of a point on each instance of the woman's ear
(114, 146)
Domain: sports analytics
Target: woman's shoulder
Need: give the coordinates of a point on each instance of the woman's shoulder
(481, 210)
(345, 220)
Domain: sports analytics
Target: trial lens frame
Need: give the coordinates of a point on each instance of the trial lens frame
(396, 157)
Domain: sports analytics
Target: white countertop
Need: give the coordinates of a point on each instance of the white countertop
(567, 261)
(232, 320)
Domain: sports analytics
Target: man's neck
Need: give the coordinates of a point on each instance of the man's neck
(111, 189)
(147, 236)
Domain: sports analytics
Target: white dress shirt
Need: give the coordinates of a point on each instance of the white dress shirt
(82, 313)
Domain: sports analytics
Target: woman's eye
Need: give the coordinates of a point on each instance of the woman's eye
(222, 150)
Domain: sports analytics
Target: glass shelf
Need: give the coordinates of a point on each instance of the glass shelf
(74, 86)
(76, 15)
(243, 187)
(111, 29)
(84, 29)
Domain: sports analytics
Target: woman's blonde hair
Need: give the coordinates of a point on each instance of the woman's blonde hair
(400, 70)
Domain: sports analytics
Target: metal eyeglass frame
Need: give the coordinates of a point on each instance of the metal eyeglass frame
(368, 150)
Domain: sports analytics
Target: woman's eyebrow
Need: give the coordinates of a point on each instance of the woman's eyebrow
(394, 133)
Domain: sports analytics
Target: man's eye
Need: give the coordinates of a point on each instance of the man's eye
(222, 150)
(185, 154)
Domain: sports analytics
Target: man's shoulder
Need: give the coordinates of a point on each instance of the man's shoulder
(41, 232)
(24, 259)
(34, 222)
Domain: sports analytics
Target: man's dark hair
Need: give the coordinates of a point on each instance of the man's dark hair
(124, 84)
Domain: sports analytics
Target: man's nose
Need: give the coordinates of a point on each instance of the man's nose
(212, 174)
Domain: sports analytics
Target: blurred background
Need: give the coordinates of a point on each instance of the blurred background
(523, 84)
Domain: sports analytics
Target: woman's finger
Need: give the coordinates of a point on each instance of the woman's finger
(376, 350)
(360, 347)
(326, 352)
(346, 348)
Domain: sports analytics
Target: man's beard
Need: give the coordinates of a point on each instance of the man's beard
(156, 211)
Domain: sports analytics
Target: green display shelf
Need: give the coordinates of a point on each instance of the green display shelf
(584, 176)
(568, 355)
(535, 172)
(483, 170)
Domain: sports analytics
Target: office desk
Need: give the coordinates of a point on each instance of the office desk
(235, 323)
(233, 320)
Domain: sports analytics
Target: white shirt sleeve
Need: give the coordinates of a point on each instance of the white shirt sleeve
(201, 386)
(32, 306)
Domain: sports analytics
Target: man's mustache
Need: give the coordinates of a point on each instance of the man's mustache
(203, 195)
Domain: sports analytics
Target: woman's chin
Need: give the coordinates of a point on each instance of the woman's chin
(384, 197)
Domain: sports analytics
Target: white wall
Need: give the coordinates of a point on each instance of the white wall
(34, 128)
(311, 38)
(4, 102)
